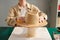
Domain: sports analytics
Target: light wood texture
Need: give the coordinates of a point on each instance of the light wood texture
(41, 24)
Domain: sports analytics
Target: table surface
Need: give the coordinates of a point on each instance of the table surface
(5, 32)
(40, 34)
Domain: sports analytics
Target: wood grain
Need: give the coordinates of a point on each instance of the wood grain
(41, 24)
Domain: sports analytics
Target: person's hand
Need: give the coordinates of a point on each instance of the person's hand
(45, 17)
(20, 19)
(42, 18)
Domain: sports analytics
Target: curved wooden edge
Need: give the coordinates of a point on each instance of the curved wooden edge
(41, 24)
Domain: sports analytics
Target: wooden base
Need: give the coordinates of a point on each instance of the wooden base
(31, 25)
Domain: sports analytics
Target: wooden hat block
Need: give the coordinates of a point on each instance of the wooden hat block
(31, 31)
(41, 24)
(31, 22)
(31, 25)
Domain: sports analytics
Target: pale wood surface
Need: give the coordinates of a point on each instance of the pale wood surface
(41, 24)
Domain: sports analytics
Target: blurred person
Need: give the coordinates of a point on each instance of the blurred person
(18, 12)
